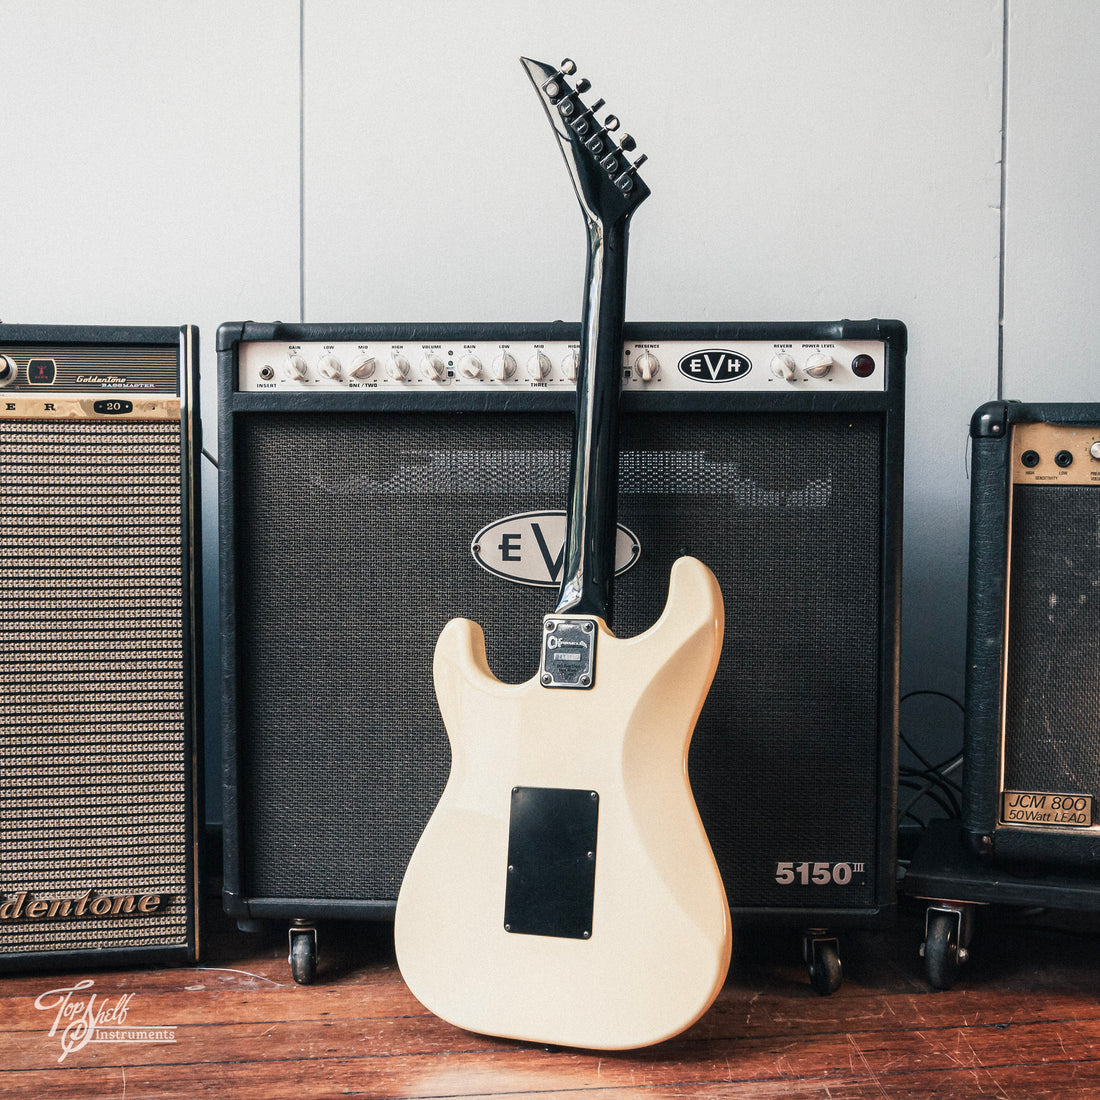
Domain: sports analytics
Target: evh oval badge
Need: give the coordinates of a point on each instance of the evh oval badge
(714, 365)
(529, 548)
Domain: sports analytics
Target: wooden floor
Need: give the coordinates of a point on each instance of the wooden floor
(1022, 1021)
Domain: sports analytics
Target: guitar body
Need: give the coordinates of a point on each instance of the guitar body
(658, 946)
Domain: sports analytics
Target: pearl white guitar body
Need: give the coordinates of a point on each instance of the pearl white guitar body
(659, 942)
(564, 890)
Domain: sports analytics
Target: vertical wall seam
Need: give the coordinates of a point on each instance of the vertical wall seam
(301, 160)
(1001, 264)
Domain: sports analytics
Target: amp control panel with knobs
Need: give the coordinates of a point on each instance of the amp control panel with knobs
(677, 357)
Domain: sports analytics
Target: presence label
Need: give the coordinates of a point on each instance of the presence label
(1044, 808)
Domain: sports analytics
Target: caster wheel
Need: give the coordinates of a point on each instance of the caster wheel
(823, 965)
(303, 955)
(942, 955)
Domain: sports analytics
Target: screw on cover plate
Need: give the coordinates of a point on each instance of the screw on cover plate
(547, 678)
(586, 680)
(587, 628)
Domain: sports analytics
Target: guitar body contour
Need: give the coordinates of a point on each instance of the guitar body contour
(658, 948)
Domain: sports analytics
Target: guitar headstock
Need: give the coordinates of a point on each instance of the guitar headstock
(606, 180)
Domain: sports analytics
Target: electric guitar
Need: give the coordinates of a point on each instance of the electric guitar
(564, 890)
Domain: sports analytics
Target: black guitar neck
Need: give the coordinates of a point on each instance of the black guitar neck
(609, 190)
(588, 575)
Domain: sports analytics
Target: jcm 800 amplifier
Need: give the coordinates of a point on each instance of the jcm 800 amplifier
(379, 480)
(98, 636)
(1032, 783)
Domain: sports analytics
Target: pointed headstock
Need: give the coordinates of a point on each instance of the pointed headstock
(605, 178)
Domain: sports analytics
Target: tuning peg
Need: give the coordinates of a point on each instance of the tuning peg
(614, 161)
(625, 182)
(584, 85)
(584, 123)
(596, 143)
(554, 87)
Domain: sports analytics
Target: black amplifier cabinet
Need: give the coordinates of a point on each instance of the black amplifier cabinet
(1032, 785)
(99, 606)
(377, 481)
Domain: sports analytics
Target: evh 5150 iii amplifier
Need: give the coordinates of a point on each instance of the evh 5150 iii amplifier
(98, 624)
(1032, 784)
(377, 481)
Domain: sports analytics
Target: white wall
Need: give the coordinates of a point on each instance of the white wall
(1052, 226)
(807, 161)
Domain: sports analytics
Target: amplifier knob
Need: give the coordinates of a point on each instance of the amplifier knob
(1094, 450)
(783, 366)
(362, 367)
(819, 364)
(397, 367)
(329, 367)
(470, 366)
(647, 366)
(433, 367)
(504, 367)
(8, 370)
(295, 368)
(569, 366)
(538, 366)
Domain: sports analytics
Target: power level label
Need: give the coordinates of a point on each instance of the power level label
(1044, 808)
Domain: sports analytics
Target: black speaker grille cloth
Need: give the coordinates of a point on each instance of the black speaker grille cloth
(91, 678)
(354, 552)
(1052, 737)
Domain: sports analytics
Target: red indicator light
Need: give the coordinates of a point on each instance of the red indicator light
(863, 366)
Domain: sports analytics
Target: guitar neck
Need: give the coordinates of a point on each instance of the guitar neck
(589, 565)
(609, 190)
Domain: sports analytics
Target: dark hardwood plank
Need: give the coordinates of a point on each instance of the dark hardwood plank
(1023, 1020)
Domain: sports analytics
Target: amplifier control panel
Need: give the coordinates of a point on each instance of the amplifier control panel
(668, 365)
